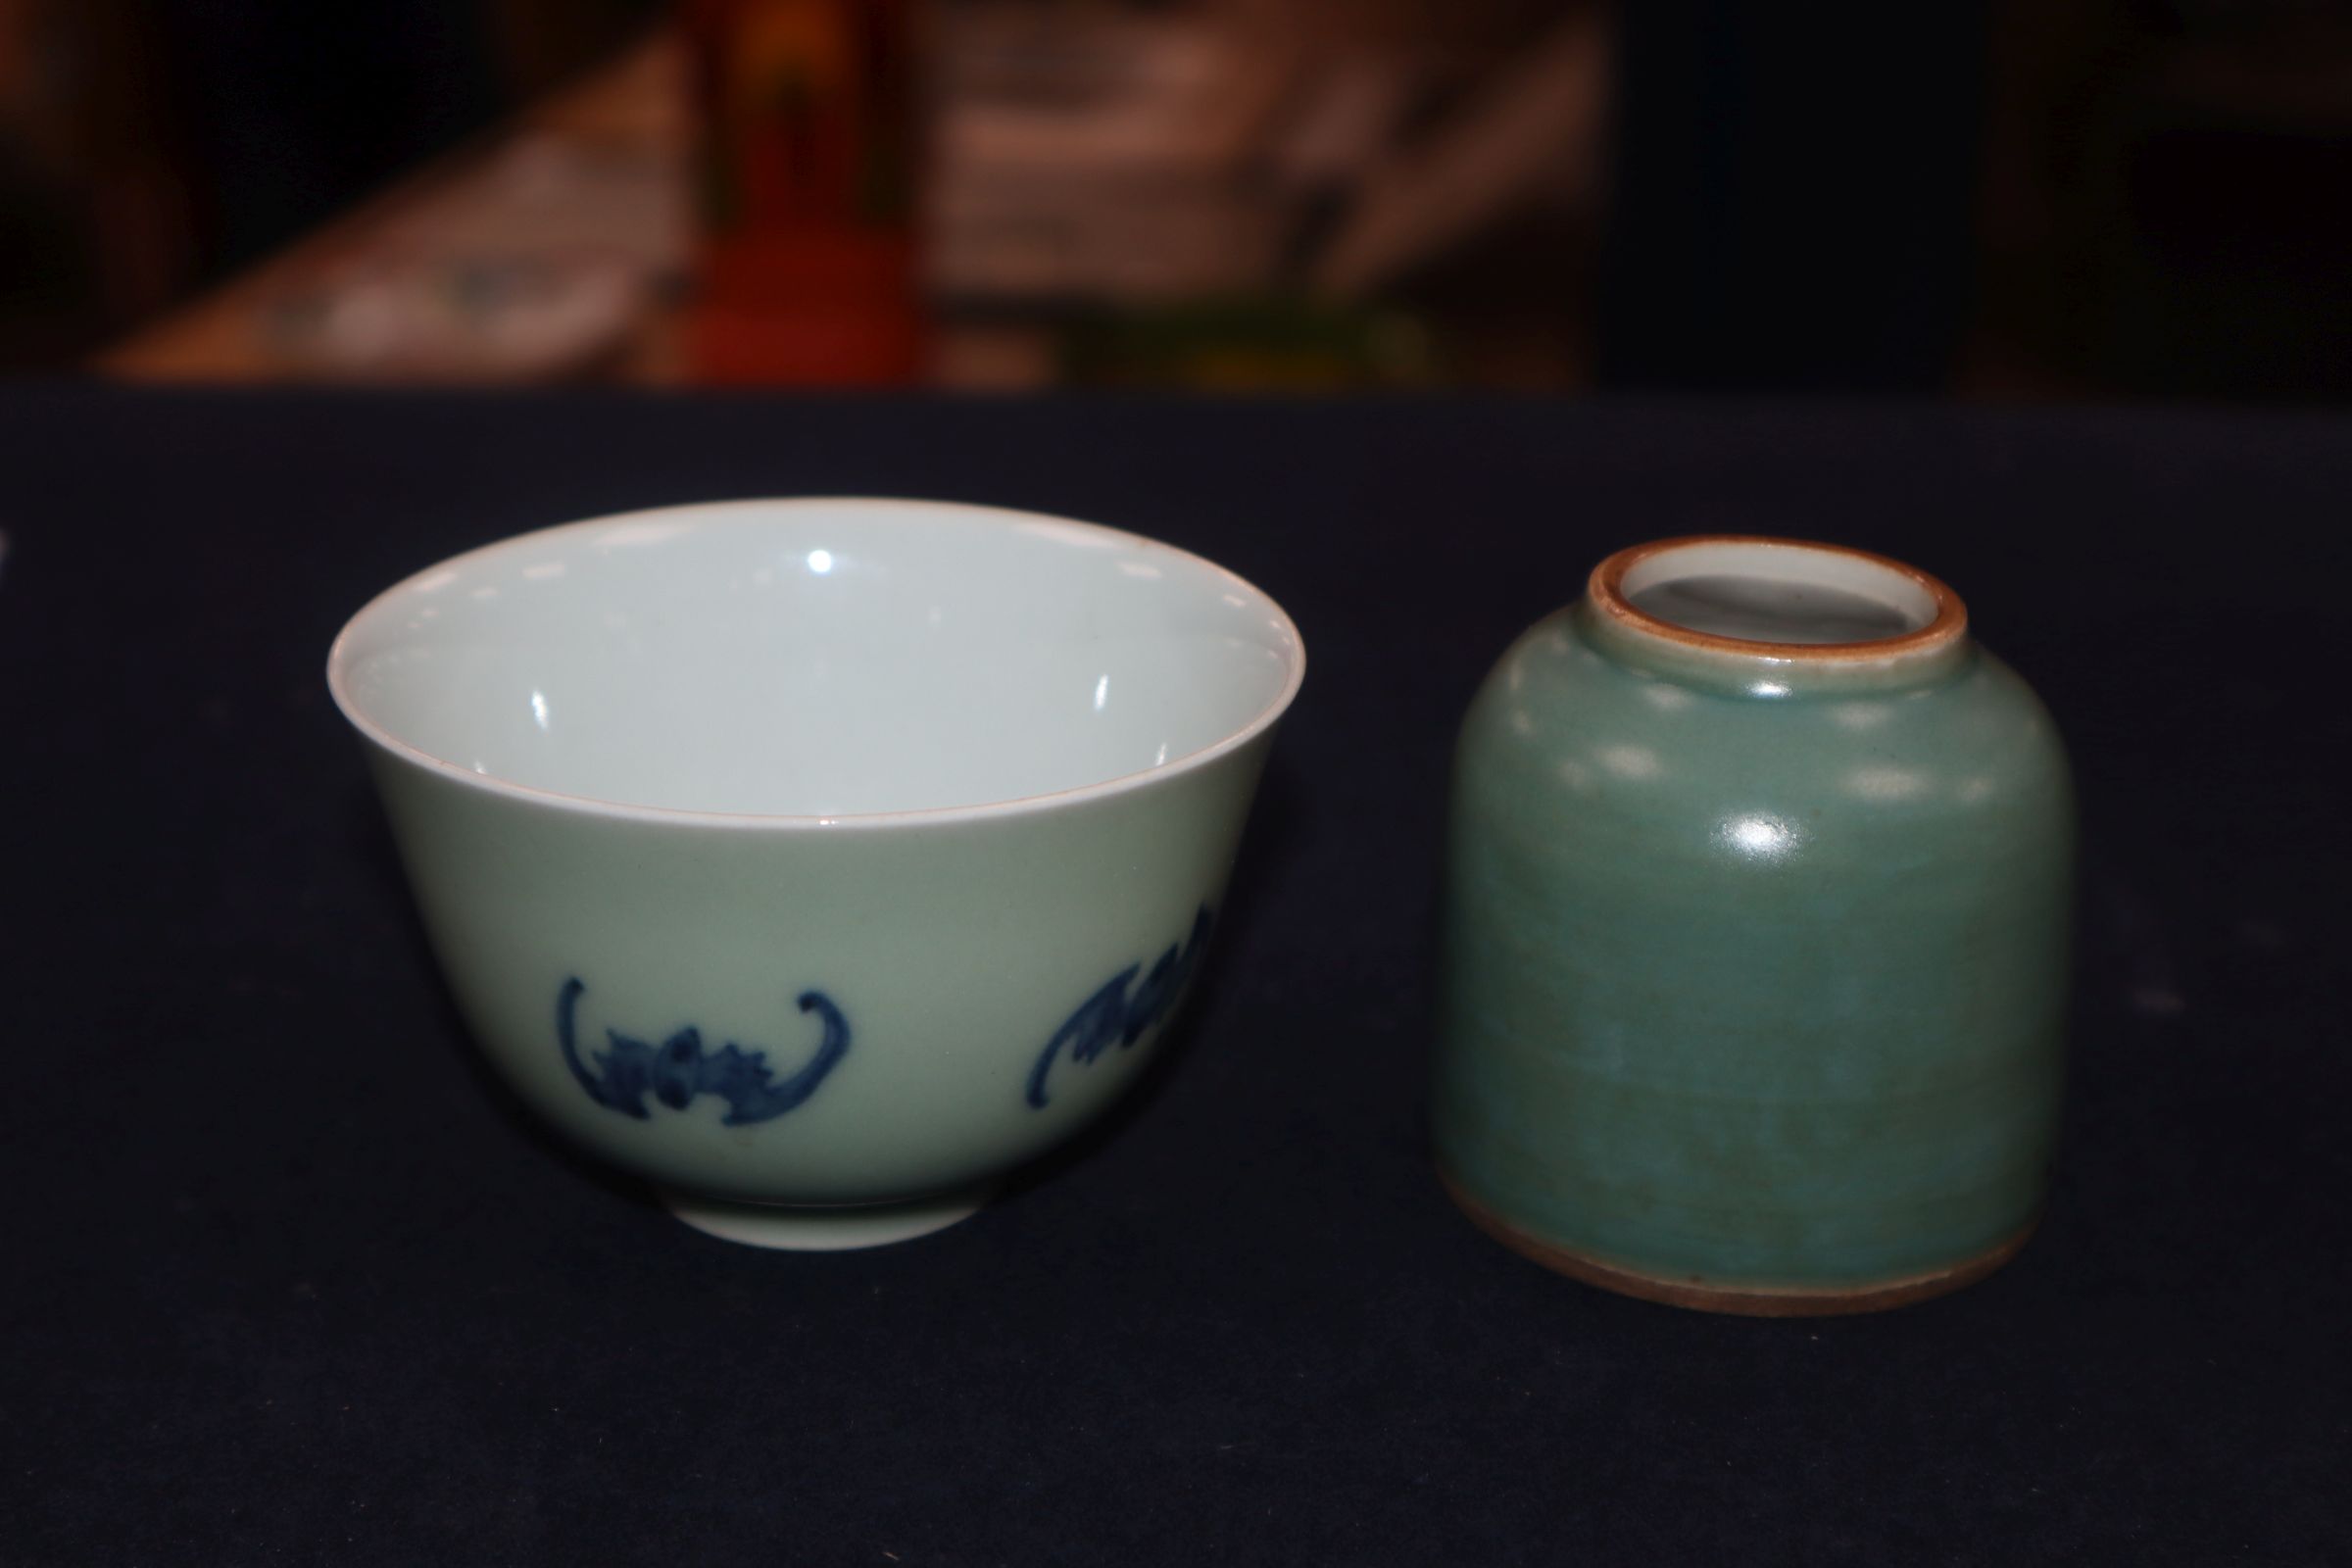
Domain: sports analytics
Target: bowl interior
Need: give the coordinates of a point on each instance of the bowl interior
(816, 657)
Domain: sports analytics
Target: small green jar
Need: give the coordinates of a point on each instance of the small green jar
(1758, 897)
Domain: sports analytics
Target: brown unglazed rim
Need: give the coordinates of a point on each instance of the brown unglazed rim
(1791, 1301)
(1605, 589)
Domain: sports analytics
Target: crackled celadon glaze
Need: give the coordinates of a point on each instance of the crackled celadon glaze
(1755, 951)
(820, 860)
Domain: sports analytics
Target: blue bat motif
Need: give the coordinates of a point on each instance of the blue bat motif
(1112, 1017)
(680, 1068)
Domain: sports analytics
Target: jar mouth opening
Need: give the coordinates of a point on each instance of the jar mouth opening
(1777, 598)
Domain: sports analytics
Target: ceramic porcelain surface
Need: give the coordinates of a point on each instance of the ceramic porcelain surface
(1755, 958)
(827, 658)
(819, 852)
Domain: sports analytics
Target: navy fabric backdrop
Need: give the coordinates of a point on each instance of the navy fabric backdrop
(287, 1278)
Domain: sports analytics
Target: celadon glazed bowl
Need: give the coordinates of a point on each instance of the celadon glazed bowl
(818, 860)
(1757, 919)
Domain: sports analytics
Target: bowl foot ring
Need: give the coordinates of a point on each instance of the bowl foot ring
(795, 1228)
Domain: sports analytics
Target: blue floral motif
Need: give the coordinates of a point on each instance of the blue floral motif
(1111, 1016)
(682, 1067)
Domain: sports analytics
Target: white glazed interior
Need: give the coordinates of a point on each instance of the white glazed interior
(1784, 591)
(817, 659)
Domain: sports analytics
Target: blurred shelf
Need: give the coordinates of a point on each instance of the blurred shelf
(584, 196)
(1136, 199)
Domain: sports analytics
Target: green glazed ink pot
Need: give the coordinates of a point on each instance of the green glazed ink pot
(1755, 939)
(818, 861)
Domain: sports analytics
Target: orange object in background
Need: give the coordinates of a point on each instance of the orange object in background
(806, 272)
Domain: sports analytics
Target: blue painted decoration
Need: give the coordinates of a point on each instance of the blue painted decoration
(680, 1068)
(1112, 1017)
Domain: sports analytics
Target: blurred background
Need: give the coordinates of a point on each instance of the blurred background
(2012, 199)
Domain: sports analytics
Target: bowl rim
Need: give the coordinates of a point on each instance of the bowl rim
(746, 510)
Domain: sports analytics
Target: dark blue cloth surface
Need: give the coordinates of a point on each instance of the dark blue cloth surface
(284, 1277)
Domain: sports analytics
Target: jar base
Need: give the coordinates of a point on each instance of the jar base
(799, 1228)
(1744, 1300)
